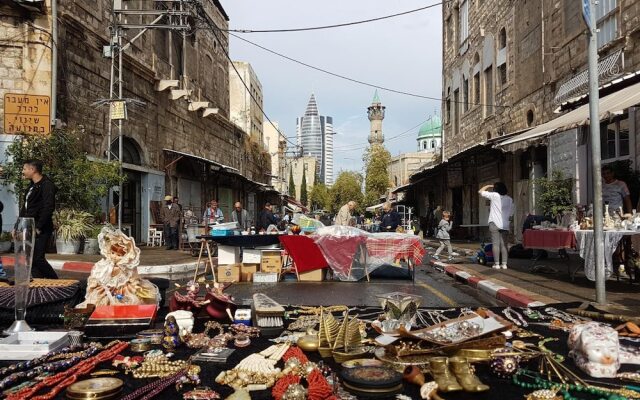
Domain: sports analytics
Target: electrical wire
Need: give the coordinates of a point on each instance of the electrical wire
(362, 145)
(344, 77)
(214, 29)
(315, 28)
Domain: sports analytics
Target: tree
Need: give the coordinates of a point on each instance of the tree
(376, 160)
(292, 184)
(81, 184)
(320, 198)
(346, 188)
(554, 194)
(303, 188)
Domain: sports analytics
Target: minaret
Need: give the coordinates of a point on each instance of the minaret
(376, 114)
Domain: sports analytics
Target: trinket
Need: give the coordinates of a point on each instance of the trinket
(504, 366)
(201, 393)
(171, 339)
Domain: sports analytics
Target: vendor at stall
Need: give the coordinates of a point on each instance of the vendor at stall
(213, 215)
(615, 192)
(266, 218)
(390, 218)
(241, 216)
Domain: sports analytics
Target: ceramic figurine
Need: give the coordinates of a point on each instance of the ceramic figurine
(171, 338)
(595, 349)
(184, 320)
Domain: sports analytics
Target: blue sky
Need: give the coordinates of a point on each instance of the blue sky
(402, 53)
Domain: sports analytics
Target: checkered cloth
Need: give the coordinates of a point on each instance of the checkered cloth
(405, 247)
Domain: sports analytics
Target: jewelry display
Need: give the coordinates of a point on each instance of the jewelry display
(242, 341)
(504, 363)
(154, 388)
(171, 338)
(541, 346)
(61, 380)
(127, 362)
(158, 367)
(95, 388)
(140, 345)
(565, 316)
(629, 376)
(515, 317)
(316, 310)
(304, 322)
(201, 393)
(154, 335)
(202, 340)
(249, 331)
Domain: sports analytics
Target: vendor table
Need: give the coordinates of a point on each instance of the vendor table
(585, 246)
(499, 388)
(247, 241)
(408, 248)
(306, 255)
(547, 239)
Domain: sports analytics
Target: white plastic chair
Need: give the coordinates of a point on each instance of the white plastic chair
(155, 237)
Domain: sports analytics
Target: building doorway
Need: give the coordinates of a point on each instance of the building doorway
(457, 206)
(131, 188)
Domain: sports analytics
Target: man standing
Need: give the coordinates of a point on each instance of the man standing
(241, 216)
(266, 218)
(615, 192)
(390, 218)
(176, 201)
(170, 216)
(213, 215)
(344, 215)
(39, 204)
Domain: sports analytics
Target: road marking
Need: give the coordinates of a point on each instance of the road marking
(438, 294)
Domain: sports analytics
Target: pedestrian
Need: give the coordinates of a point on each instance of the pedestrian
(344, 215)
(39, 204)
(213, 215)
(170, 217)
(176, 201)
(615, 192)
(390, 218)
(3, 273)
(500, 211)
(442, 234)
(241, 216)
(437, 217)
(266, 218)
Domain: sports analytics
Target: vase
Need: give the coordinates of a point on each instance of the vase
(25, 237)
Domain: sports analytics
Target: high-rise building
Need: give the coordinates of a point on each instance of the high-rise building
(375, 112)
(314, 134)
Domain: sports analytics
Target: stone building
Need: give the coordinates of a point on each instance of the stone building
(276, 144)
(181, 142)
(246, 105)
(514, 99)
(302, 165)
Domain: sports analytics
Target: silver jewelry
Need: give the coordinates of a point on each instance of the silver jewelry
(515, 317)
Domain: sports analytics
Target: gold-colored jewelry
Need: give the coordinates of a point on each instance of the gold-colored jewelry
(544, 394)
(140, 345)
(102, 372)
(158, 367)
(316, 310)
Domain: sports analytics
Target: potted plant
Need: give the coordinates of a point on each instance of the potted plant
(91, 245)
(5, 242)
(71, 226)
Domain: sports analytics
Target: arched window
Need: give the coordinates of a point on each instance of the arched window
(130, 151)
(502, 39)
(433, 144)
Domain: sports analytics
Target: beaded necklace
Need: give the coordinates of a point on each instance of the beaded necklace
(154, 388)
(61, 380)
(41, 360)
(565, 388)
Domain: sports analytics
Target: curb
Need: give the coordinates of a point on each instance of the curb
(499, 292)
(85, 267)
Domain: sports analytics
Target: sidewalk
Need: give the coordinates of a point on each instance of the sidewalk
(519, 286)
(153, 261)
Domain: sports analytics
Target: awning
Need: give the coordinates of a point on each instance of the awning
(206, 160)
(295, 205)
(614, 103)
(401, 188)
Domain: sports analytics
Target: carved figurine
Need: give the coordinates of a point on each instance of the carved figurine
(171, 338)
(595, 349)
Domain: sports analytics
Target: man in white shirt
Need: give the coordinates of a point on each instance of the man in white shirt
(500, 211)
(615, 192)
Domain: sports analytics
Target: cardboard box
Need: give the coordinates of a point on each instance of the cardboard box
(251, 256)
(247, 271)
(312, 276)
(228, 255)
(271, 261)
(228, 273)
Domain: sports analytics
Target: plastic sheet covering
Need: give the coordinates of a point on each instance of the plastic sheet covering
(307, 224)
(352, 252)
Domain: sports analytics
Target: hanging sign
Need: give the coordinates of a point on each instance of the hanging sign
(27, 114)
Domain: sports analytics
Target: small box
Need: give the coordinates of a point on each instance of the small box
(228, 255)
(120, 321)
(228, 273)
(247, 271)
(265, 277)
(271, 261)
(251, 256)
(312, 276)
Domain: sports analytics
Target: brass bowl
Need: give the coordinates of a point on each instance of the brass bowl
(309, 342)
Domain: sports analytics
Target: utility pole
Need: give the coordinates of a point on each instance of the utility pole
(589, 8)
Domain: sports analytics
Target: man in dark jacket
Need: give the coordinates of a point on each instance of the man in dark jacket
(39, 204)
(390, 219)
(266, 218)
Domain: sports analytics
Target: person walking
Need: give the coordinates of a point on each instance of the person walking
(442, 234)
(437, 217)
(170, 216)
(390, 218)
(344, 215)
(241, 216)
(39, 204)
(500, 211)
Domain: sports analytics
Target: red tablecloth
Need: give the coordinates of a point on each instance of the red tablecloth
(409, 247)
(304, 252)
(548, 239)
(340, 251)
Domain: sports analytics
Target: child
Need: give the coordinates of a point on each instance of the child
(442, 233)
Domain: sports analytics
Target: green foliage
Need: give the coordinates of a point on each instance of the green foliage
(292, 184)
(623, 171)
(320, 197)
(72, 224)
(303, 188)
(80, 183)
(376, 159)
(554, 194)
(346, 188)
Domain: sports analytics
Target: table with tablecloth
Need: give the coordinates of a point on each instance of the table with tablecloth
(548, 239)
(305, 254)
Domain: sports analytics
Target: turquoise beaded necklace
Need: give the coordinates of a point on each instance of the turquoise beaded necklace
(563, 388)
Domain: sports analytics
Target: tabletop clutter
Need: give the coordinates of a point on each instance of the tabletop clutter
(209, 345)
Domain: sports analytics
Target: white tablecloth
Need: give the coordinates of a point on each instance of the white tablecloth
(584, 241)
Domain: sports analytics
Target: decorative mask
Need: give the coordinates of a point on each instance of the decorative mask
(595, 349)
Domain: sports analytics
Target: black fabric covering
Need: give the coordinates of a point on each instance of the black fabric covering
(501, 389)
(246, 241)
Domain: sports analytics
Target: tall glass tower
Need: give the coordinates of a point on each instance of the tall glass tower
(314, 134)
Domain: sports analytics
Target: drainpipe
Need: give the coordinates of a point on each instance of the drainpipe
(54, 60)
